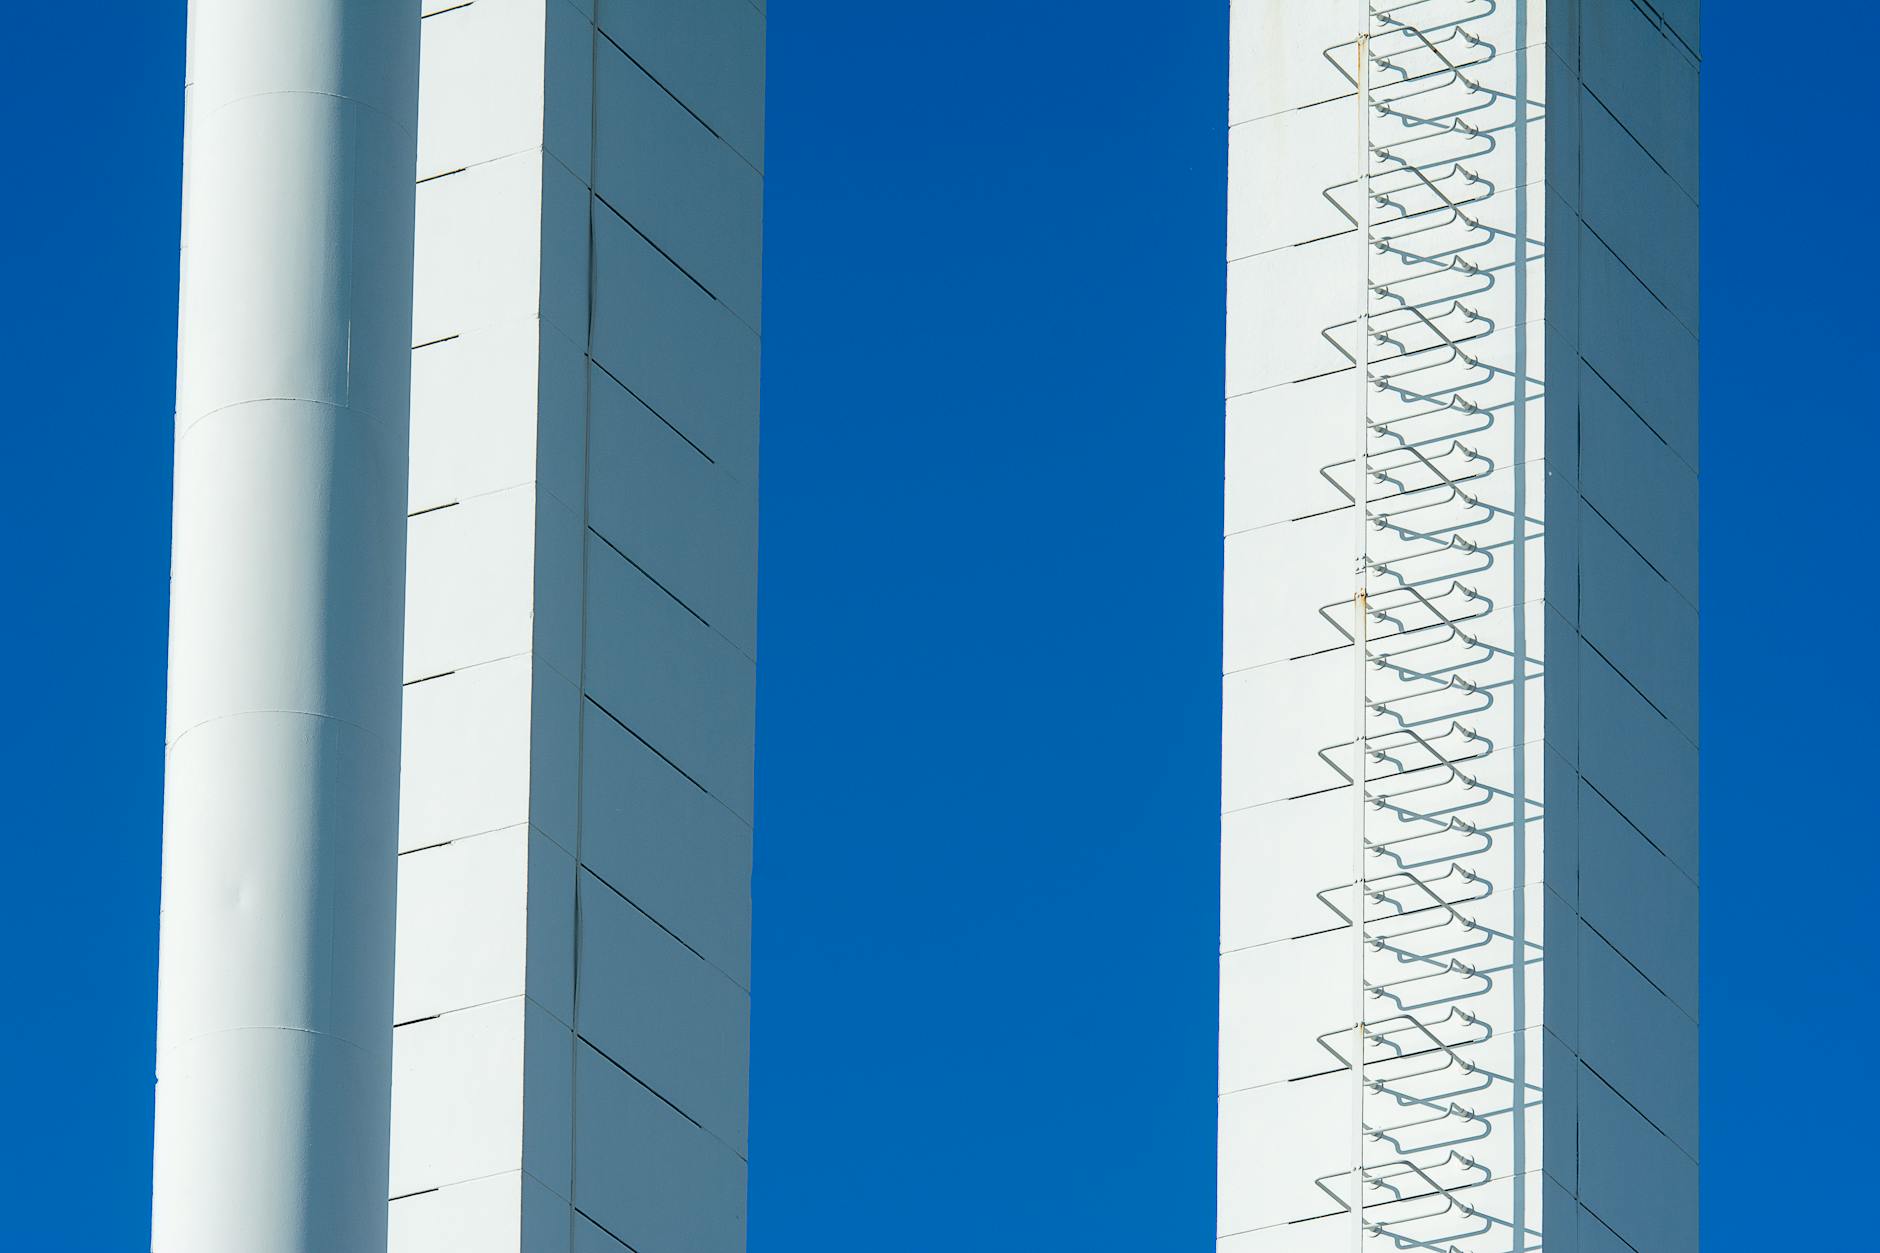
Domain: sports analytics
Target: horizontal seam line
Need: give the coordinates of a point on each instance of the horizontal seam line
(355, 101)
(259, 713)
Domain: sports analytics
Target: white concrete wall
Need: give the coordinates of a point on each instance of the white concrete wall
(1550, 667)
(574, 920)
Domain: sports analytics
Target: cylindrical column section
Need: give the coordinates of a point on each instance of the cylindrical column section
(286, 628)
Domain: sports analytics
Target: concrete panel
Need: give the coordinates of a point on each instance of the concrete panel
(1565, 103)
(1637, 1041)
(484, 919)
(1641, 213)
(558, 605)
(664, 1014)
(480, 84)
(680, 518)
(655, 1180)
(686, 356)
(1560, 555)
(466, 753)
(1641, 763)
(1551, 401)
(1275, 859)
(566, 209)
(667, 845)
(1632, 1178)
(1286, 56)
(479, 252)
(1280, 307)
(474, 414)
(1552, 1223)
(1276, 999)
(1560, 789)
(1596, 1237)
(568, 68)
(707, 53)
(1639, 485)
(1277, 720)
(1275, 1141)
(674, 681)
(1560, 1107)
(1288, 590)
(1636, 345)
(1560, 680)
(555, 756)
(1646, 80)
(457, 1097)
(1317, 147)
(1560, 1219)
(1560, 937)
(591, 1239)
(496, 408)
(1634, 895)
(1684, 18)
(501, 242)
(680, 185)
(561, 417)
(1278, 442)
(471, 584)
(1638, 622)
(490, 578)
(507, 1213)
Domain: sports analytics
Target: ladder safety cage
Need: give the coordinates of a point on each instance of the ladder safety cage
(1422, 345)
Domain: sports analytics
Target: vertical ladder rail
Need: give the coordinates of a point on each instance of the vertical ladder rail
(1360, 632)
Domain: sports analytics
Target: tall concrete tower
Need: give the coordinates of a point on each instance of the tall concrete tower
(580, 649)
(1460, 712)
(553, 1052)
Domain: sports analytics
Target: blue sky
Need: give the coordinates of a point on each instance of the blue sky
(988, 725)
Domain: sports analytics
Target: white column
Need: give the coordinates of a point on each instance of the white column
(580, 656)
(287, 605)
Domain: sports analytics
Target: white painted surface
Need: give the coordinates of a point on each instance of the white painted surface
(649, 1176)
(274, 1018)
(574, 945)
(461, 1107)
(1524, 409)
(495, 1214)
